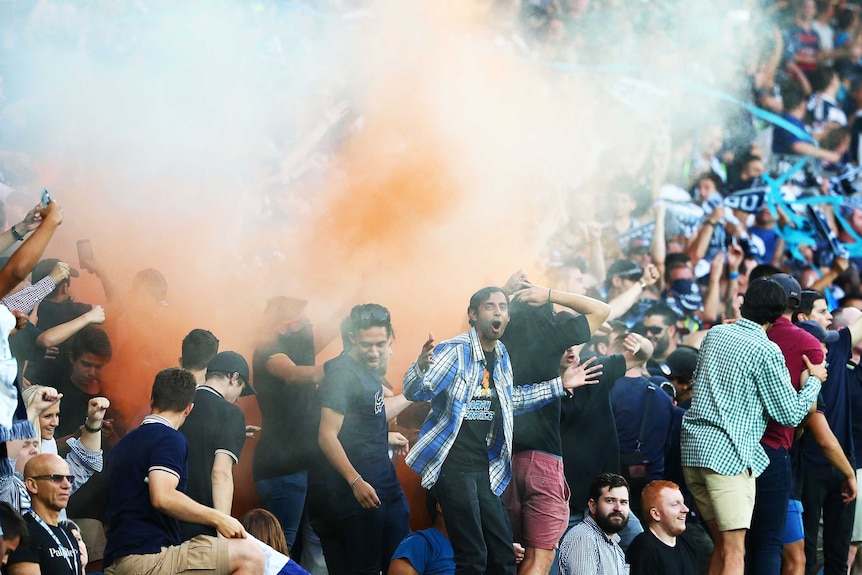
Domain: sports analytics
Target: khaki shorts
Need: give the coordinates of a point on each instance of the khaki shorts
(727, 499)
(201, 555)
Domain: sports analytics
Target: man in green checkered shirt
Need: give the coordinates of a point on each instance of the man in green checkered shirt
(740, 383)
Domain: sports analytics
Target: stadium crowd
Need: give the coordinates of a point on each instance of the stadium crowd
(675, 389)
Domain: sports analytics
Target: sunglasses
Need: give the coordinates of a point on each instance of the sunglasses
(654, 329)
(55, 478)
(374, 316)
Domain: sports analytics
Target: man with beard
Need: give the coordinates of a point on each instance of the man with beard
(660, 328)
(592, 547)
(660, 549)
(464, 449)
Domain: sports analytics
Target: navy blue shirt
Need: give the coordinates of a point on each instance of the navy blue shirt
(836, 400)
(136, 527)
(782, 140)
(628, 400)
(356, 392)
(854, 383)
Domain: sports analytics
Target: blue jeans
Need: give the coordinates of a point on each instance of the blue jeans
(284, 497)
(764, 540)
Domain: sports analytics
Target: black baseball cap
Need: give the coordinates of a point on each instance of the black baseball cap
(44, 267)
(232, 362)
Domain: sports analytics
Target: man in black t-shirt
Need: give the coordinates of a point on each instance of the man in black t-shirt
(661, 547)
(589, 435)
(359, 510)
(52, 550)
(536, 337)
(215, 430)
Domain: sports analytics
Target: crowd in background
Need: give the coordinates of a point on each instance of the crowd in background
(667, 234)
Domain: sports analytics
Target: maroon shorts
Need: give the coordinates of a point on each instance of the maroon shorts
(537, 499)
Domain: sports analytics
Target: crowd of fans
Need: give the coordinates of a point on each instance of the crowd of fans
(675, 390)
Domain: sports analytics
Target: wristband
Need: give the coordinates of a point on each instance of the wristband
(16, 235)
(732, 275)
(93, 429)
(358, 477)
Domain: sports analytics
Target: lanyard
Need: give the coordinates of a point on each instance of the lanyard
(62, 548)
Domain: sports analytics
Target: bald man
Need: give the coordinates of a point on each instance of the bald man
(52, 549)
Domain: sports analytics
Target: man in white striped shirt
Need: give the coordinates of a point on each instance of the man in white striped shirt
(592, 547)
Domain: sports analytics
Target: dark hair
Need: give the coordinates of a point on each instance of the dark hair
(674, 261)
(263, 525)
(808, 297)
(481, 297)
(762, 271)
(821, 77)
(764, 302)
(368, 315)
(623, 269)
(13, 524)
(609, 480)
(712, 177)
(431, 504)
(848, 297)
(833, 138)
(843, 18)
(792, 95)
(666, 312)
(91, 340)
(173, 389)
(199, 347)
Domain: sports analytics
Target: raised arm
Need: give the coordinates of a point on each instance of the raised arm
(595, 311)
(623, 302)
(638, 350)
(91, 432)
(22, 261)
(58, 334)
(17, 232)
(432, 371)
(282, 367)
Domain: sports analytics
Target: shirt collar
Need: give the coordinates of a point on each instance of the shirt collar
(153, 418)
(211, 390)
(613, 539)
(476, 346)
(749, 325)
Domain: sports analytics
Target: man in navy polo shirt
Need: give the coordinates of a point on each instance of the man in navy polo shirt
(147, 476)
(822, 484)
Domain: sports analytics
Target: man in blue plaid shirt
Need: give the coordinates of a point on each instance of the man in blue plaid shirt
(741, 382)
(464, 451)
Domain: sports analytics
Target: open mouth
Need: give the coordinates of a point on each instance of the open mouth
(496, 324)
